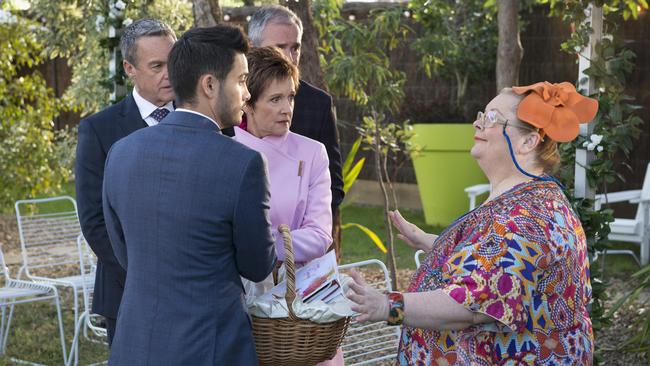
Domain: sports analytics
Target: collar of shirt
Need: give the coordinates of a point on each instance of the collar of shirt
(200, 114)
(146, 108)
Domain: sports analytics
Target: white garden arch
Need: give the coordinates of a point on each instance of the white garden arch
(587, 85)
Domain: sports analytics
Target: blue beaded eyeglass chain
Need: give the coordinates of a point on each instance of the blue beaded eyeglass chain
(547, 178)
(514, 160)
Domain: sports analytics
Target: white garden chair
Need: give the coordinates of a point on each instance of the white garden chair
(636, 230)
(418, 258)
(87, 320)
(369, 343)
(48, 229)
(474, 192)
(21, 292)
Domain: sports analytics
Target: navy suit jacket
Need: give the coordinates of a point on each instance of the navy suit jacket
(186, 210)
(97, 134)
(314, 117)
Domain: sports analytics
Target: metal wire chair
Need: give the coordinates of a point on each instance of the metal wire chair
(418, 258)
(21, 292)
(48, 230)
(87, 320)
(369, 343)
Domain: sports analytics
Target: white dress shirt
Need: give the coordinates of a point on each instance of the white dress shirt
(146, 108)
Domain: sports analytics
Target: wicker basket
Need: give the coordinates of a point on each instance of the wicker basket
(295, 341)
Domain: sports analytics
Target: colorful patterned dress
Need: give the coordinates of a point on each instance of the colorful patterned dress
(522, 260)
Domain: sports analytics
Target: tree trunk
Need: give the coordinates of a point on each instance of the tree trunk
(391, 188)
(462, 79)
(310, 69)
(336, 234)
(390, 256)
(509, 51)
(207, 13)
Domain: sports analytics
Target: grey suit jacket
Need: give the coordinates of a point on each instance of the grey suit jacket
(186, 210)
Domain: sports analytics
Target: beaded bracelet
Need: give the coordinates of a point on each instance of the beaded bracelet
(395, 308)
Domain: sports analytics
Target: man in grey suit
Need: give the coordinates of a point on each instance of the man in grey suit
(186, 210)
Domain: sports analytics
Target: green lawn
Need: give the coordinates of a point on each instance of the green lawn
(357, 246)
(57, 206)
(34, 336)
(618, 265)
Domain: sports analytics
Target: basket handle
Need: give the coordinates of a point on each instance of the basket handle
(290, 267)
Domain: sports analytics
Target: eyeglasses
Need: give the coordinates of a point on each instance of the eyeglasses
(491, 118)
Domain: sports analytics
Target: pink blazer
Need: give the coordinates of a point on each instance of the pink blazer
(301, 196)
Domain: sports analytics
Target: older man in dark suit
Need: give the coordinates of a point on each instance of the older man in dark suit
(313, 114)
(145, 46)
(187, 213)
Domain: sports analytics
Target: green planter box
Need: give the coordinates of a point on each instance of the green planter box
(444, 169)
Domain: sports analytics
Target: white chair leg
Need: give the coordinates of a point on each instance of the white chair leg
(645, 234)
(3, 313)
(645, 249)
(5, 335)
(76, 317)
(74, 348)
(21, 271)
(472, 202)
(86, 333)
(57, 303)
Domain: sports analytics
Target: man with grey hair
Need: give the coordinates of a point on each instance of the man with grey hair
(145, 46)
(313, 115)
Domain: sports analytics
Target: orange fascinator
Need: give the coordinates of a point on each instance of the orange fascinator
(556, 109)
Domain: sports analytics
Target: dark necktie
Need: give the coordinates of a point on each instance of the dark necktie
(159, 114)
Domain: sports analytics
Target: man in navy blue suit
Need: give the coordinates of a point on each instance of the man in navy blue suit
(145, 46)
(186, 210)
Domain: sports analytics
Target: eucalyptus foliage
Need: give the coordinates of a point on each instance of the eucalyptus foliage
(79, 32)
(458, 41)
(34, 158)
(355, 58)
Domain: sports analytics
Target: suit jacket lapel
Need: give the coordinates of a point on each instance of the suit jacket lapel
(130, 119)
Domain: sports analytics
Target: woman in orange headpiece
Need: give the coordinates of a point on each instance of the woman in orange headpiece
(508, 282)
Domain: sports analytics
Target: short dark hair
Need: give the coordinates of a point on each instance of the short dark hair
(142, 28)
(203, 51)
(266, 64)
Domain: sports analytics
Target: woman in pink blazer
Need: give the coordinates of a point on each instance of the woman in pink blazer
(298, 166)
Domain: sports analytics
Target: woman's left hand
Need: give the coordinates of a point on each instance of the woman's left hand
(371, 304)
